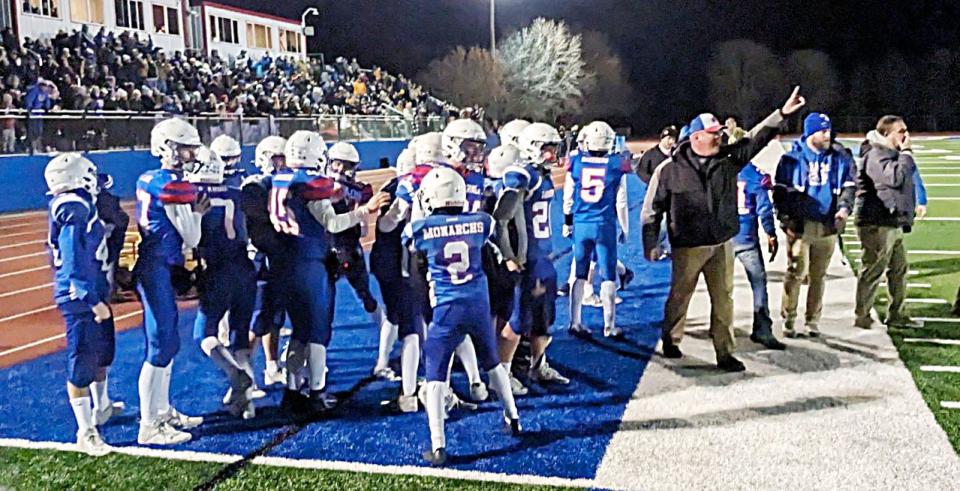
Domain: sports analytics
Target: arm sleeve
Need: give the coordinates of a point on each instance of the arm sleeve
(623, 206)
(654, 205)
(186, 222)
(71, 252)
(848, 189)
(508, 206)
(398, 212)
(745, 149)
(921, 189)
(568, 193)
(765, 211)
(324, 213)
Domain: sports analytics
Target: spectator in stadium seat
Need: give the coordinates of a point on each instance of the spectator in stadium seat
(8, 138)
(696, 189)
(886, 204)
(40, 99)
(814, 195)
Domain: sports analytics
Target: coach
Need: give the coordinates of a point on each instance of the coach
(886, 203)
(813, 195)
(656, 155)
(697, 190)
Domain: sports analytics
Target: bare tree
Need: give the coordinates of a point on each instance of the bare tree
(543, 68)
(745, 79)
(815, 72)
(606, 91)
(465, 77)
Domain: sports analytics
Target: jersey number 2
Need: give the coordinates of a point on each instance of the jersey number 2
(457, 255)
(541, 220)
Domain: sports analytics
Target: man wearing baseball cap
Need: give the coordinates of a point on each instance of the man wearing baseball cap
(656, 155)
(813, 194)
(697, 191)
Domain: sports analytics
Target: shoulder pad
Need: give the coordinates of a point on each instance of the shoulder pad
(516, 177)
(253, 180)
(178, 193)
(315, 189)
(69, 208)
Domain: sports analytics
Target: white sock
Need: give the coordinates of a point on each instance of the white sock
(163, 394)
(435, 414)
(388, 336)
(148, 386)
(573, 271)
(507, 366)
(576, 298)
(221, 357)
(410, 363)
(468, 357)
(272, 366)
(98, 392)
(318, 366)
(296, 359)
(621, 268)
(500, 381)
(608, 295)
(588, 286)
(83, 412)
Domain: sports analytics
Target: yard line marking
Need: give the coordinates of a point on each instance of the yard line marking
(23, 271)
(29, 312)
(21, 244)
(931, 301)
(939, 369)
(942, 199)
(219, 458)
(937, 319)
(935, 253)
(945, 342)
(939, 219)
(913, 272)
(950, 404)
(940, 175)
(59, 336)
(937, 185)
(25, 290)
(14, 258)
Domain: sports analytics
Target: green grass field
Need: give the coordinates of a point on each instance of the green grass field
(936, 279)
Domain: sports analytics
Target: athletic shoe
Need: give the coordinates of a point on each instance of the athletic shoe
(101, 416)
(730, 364)
(293, 402)
(181, 421)
(545, 374)
(512, 425)
(564, 290)
(408, 404)
(516, 386)
(369, 305)
(592, 301)
(612, 332)
(161, 433)
(436, 457)
(321, 401)
(768, 340)
(386, 373)
(452, 401)
(671, 350)
(813, 329)
(89, 442)
(274, 377)
(478, 392)
(792, 331)
(625, 279)
(579, 330)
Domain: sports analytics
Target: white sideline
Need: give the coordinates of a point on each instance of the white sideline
(217, 458)
(937, 185)
(944, 342)
(938, 219)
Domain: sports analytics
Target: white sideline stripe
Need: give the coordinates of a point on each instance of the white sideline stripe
(939, 369)
(25, 290)
(29, 312)
(58, 336)
(940, 175)
(945, 342)
(942, 199)
(23, 271)
(217, 458)
(21, 244)
(938, 185)
(937, 319)
(911, 285)
(939, 219)
(913, 272)
(950, 404)
(14, 258)
(932, 301)
(935, 253)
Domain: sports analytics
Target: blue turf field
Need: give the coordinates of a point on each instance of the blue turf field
(567, 430)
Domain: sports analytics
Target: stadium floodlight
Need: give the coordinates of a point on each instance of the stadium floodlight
(493, 27)
(308, 30)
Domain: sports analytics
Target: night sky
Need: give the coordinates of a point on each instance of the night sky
(664, 44)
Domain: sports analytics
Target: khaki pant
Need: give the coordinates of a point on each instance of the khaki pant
(808, 256)
(883, 252)
(716, 264)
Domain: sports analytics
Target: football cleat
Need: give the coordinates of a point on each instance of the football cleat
(181, 421)
(452, 401)
(408, 404)
(625, 279)
(564, 290)
(516, 386)
(545, 374)
(436, 457)
(274, 377)
(386, 373)
(512, 425)
(592, 301)
(89, 442)
(161, 433)
(321, 401)
(478, 392)
(101, 416)
(293, 402)
(612, 332)
(579, 330)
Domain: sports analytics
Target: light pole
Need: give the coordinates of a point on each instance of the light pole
(307, 30)
(493, 27)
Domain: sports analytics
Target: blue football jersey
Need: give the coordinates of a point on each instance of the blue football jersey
(289, 195)
(223, 228)
(78, 246)
(158, 237)
(595, 184)
(475, 185)
(537, 212)
(452, 245)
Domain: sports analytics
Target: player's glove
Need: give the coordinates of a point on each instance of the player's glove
(567, 231)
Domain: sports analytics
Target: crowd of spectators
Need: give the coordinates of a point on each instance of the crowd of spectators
(102, 72)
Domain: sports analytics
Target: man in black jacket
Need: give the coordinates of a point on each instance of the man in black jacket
(886, 200)
(657, 154)
(697, 190)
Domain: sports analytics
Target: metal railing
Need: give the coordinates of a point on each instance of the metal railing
(24, 133)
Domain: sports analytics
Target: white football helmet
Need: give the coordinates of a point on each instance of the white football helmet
(598, 136)
(441, 188)
(267, 149)
(209, 168)
(343, 158)
(462, 142)
(539, 144)
(429, 148)
(70, 171)
(226, 148)
(405, 162)
(305, 149)
(510, 132)
(170, 134)
(500, 158)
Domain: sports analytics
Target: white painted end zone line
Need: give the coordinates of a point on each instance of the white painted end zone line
(43, 341)
(944, 342)
(396, 470)
(939, 369)
(950, 404)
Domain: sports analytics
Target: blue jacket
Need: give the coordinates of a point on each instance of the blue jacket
(919, 187)
(813, 185)
(753, 202)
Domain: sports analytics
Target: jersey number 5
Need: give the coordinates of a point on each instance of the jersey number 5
(457, 255)
(592, 183)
